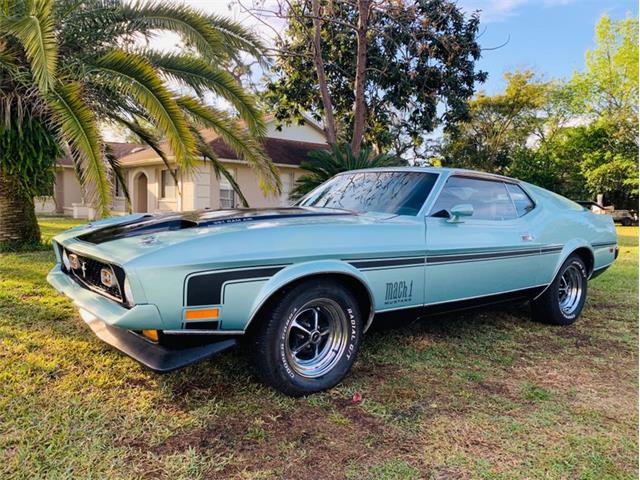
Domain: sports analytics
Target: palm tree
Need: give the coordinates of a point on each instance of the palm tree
(323, 164)
(73, 63)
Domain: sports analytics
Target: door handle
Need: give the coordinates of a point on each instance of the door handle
(527, 237)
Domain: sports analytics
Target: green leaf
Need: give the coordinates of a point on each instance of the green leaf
(203, 77)
(35, 31)
(139, 79)
(218, 167)
(192, 26)
(237, 138)
(78, 127)
(148, 137)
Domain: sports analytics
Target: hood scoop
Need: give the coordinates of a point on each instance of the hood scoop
(150, 224)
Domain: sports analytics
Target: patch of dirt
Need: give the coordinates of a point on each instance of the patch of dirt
(315, 447)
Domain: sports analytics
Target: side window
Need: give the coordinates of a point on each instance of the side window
(521, 200)
(227, 193)
(489, 199)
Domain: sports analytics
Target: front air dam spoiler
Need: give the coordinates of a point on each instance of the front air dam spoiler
(152, 355)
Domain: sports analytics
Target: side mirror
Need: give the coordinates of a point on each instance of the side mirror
(459, 211)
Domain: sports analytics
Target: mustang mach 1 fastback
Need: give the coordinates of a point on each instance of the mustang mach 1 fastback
(302, 284)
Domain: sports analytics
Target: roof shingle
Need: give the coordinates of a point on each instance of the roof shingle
(120, 149)
(280, 151)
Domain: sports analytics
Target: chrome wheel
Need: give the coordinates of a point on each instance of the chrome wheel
(316, 338)
(570, 289)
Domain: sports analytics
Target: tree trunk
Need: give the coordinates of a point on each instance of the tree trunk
(361, 65)
(18, 223)
(329, 124)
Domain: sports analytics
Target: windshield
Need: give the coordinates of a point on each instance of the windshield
(398, 193)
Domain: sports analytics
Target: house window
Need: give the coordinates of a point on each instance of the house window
(119, 188)
(288, 181)
(227, 194)
(168, 184)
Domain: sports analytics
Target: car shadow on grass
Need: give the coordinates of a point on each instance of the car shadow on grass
(229, 374)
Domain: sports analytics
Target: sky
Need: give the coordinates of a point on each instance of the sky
(548, 36)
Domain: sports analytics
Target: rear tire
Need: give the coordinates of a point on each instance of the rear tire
(562, 302)
(307, 340)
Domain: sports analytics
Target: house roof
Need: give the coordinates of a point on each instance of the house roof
(281, 151)
(120, 149)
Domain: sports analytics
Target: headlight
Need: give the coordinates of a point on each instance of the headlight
(128, 294)
(65, 260)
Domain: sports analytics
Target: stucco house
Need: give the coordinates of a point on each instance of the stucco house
(152, 187)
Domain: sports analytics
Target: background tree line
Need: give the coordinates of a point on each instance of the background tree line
(577, 137)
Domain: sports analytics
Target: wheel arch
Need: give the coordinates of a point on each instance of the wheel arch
(338, 271)
(579, 247)
(587, 256)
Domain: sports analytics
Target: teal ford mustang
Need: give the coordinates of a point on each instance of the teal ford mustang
(302, 284)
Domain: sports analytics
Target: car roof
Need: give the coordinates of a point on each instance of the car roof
(442, 171)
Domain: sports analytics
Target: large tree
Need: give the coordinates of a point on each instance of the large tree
(498, 125)
(386, 73)
(69, 64)
(609, 84)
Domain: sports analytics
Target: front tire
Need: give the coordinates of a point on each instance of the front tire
(308, 339)
(562, 302)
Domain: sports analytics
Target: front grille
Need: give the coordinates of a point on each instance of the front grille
(88, 274)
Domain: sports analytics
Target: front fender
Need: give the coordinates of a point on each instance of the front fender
(299, 271)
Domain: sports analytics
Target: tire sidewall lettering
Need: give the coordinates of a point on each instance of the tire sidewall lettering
(348, 354)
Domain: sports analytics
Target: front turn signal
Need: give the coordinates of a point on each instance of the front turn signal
(202, 314)
(151, 335)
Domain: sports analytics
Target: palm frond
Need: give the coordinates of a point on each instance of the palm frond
(193, 27)
(140, 81)
(218, 167)
(78, 127)
(238, 37)
(148, 137)
(117, 171)
(35, 32)
(202, 77)
(324, 164)
(239, 140)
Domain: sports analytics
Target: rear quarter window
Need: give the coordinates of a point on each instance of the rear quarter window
(521, 200)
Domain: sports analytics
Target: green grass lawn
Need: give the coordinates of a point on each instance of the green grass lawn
(487, 395)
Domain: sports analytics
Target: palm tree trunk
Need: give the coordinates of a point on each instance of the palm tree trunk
(18, 223)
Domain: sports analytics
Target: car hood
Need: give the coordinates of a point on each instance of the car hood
(137, 235)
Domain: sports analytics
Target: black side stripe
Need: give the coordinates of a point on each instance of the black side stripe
(481, 256)
(604, 244)
(392, 262)
(450, 258)
(206, 289)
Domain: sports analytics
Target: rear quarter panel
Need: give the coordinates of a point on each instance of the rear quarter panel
(563, 222)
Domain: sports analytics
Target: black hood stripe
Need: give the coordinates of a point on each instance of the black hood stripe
(150, 224)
